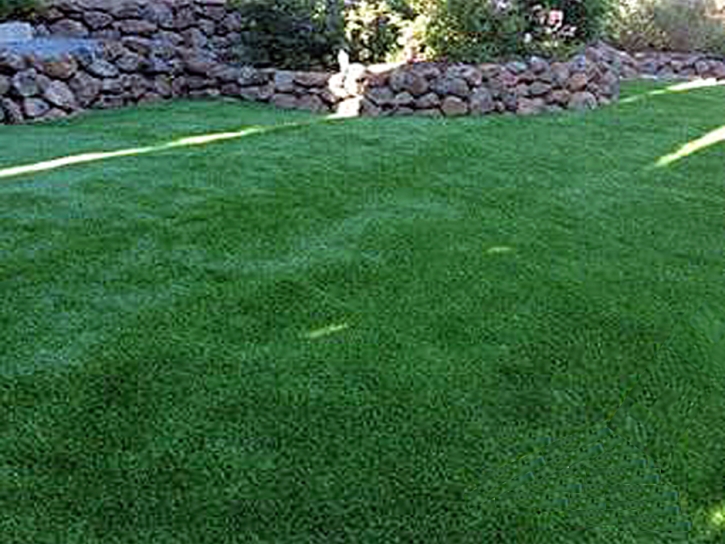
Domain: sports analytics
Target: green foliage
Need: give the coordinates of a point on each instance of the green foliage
(373, 30)
(680, 25)
(10, 9)
(476, 30)
(289, 33)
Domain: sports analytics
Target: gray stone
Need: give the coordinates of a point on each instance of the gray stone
(69, 28)
(109, 102)
(431, 112)
(452, 86)
(97, 20)
(162, 86)
(538, 88)
(25, 84)
(215, 13)
(250, 77)
(35, 107)
(516, 67)
(531, 106)
(85, 88)
(11, 62)
(226, 74)
(312, 103)
(4, 85)
(155, 65)
(105, 34)
(173, 38)
(137, 44)
(428, 101)
(286, 101)
(112, 86)
(138, 27)
(284, 81)
(369, 109)
(135, 84)
(312, 79)
(207, 27)
(129, 62)
(15, 32)
(60, 95)
(102, 68)
(230, 89)
(196, 83)
(113, 50)
(560, 72)
(522, 90)
(482, 101)
(13, 112)
(453, 106)
(404, 99)
(54, 114)
(232, 22)
(158, 13)
(403, 110)
(195, 38)
(380, 96)
(199, 64)
(538, 65)
(510, 100)
(178, 86)
(185, 18)
(582, 101)
(43, 82)
(472, 75)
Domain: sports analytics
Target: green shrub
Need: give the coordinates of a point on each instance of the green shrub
(18, 9)
(476, 30)
(679, 25)
(373, 31)
(289, 33)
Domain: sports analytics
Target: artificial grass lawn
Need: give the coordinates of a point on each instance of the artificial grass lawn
(380, 330)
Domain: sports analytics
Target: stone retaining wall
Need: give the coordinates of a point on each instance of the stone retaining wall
(126, 52)
(660, 65)
(197, 24)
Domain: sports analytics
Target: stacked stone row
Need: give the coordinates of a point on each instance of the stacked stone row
(530, 87)
(659, 65)
(199, 24)
(136, 70)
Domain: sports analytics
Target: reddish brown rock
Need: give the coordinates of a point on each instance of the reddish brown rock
(577, 82)
(454, 106)
(582, 101)
(63, 67)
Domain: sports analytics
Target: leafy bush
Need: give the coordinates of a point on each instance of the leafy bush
(476, 30)
(680, 25)
(20, 9)
(289, 33)
(373, 30)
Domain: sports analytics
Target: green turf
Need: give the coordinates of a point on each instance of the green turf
(403, 330)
